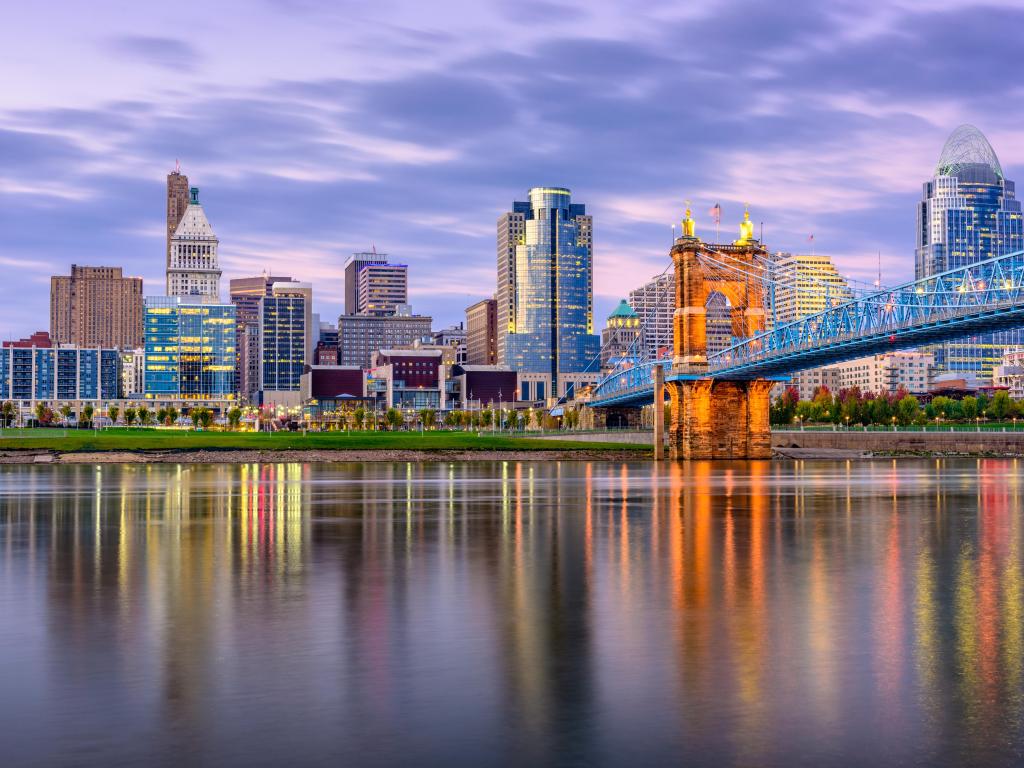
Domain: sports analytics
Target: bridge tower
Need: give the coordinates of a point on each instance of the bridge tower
(711, 417)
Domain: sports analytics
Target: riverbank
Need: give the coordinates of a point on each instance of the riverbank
(235, 456)
(178, 446)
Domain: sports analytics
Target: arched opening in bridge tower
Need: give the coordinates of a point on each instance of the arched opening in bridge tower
(718, 322)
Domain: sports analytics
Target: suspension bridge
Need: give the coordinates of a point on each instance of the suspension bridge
(720, 400)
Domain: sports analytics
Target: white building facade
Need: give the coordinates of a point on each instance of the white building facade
(193, 269)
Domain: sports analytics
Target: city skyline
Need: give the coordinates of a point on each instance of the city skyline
(388, 134)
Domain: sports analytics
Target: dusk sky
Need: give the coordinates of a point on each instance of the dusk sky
(316, 129)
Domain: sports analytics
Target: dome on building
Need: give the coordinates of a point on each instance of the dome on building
(966, 149)
(623, 310)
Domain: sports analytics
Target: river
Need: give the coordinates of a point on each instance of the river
(523, 613)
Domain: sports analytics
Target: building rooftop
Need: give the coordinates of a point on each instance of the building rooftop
(966, 147)
(623, 310)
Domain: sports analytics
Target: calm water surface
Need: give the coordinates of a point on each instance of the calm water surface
(804, 613)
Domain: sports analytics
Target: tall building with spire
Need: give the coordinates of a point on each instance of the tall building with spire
(192, 268)
(968, 213)
(546, 294)
(177, 202)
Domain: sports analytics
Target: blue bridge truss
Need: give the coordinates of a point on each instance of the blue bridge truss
(983, 297)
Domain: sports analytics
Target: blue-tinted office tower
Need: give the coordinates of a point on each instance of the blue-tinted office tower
(968, 213)
(546, 293)
(190, 349)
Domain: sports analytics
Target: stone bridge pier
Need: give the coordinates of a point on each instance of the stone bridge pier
(714, 419)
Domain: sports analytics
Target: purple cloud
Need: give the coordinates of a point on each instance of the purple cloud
(313, 133)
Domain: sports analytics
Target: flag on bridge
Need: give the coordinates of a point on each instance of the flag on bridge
(716, 213)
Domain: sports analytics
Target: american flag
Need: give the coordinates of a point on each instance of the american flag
(810, 238)
(716, 213)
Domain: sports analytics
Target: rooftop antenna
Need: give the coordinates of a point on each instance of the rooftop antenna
(177, 165)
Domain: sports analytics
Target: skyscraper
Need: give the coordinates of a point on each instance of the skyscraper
(373, 286)
(968, 213)
(549, 337)
(192, 268)
(511, 232)
(96, 307)
(482, 333)
(246, 293)
(177, 202)
(284, 335)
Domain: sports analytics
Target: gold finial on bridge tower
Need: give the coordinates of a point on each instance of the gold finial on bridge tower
(689, 228)
(746, 228)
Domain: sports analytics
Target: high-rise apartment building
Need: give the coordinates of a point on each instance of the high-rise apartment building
(192, 268)
(246, 293)
(96, 307)
(284, 335)
(805, 284)
(550, 333)
(655, 304)
(968, 213)
(482, 333)
(177, 202)
(190, 350)
(373, 286)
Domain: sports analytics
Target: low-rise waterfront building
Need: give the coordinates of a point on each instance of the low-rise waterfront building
(59, 375)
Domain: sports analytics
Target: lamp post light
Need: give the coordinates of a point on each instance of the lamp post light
(977, 424)
(893, 423)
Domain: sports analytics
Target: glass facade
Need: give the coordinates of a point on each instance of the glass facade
(553, 289)
(968, 213)
(282, 342)
(190, 349)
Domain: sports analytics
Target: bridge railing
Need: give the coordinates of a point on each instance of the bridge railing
(986, 286)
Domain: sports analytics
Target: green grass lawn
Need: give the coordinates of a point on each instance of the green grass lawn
(123, 439)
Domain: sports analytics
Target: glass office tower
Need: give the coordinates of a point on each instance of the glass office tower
(968, 213)
(190, 349)
(282, 342)
(552, 330)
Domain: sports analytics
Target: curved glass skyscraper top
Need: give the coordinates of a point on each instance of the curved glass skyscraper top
(968, 213)
(549, 291)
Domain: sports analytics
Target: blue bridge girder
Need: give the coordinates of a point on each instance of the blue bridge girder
(980, 298)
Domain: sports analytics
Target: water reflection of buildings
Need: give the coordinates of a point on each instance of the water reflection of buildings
(536, 600)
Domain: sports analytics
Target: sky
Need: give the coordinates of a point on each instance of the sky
(317, 129)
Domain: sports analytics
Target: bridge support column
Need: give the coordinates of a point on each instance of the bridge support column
(659, 413)
(719, 419)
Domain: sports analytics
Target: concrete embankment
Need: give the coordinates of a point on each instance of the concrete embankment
(853, 443)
